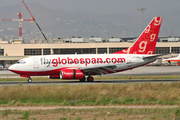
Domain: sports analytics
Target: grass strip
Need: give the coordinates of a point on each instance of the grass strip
(99, 94)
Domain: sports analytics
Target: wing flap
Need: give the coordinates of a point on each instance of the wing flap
(101, 69)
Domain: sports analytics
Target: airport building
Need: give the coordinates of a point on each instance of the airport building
(12, 52)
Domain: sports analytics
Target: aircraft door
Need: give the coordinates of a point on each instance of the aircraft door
(35, 63)
(129, 61)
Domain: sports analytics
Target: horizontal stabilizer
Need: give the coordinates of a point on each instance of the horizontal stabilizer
(154, 56)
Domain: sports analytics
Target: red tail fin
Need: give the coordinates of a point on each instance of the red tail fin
(146, 43)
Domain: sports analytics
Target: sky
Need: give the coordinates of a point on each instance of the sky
(105, 6)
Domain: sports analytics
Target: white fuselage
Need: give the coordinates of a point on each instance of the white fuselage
(52, 64)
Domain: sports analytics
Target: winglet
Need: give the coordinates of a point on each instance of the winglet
(146, 42)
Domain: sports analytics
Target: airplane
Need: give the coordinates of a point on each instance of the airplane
(78, 66)
(170, 61)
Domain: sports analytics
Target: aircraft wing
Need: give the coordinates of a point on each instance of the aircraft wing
(101, 69)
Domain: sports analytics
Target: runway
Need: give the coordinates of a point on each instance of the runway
(144, 70)
(150, 70)
(86, 83)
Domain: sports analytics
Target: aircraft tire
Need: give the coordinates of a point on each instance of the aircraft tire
(90, 79)
(29, 80)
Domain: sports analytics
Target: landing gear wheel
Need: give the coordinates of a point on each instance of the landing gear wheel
(90, 79)
(29, 80)
(82, 80)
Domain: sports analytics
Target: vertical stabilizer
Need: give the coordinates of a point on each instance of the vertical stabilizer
(146, 42)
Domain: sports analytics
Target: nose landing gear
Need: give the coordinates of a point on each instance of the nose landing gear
(27, 76)
(29, 80)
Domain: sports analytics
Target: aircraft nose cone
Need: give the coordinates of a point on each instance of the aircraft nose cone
(12, 68)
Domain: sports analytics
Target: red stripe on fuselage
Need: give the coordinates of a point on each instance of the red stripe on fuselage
(38, 73)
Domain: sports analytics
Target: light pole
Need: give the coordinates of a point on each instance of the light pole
(142, 9)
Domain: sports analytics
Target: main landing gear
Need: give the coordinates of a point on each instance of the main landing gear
(89, 79)
(29, 80)
(83, 80)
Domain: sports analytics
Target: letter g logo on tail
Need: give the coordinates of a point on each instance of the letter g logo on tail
(142, 46)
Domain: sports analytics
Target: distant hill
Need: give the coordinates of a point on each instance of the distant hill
(65, 24)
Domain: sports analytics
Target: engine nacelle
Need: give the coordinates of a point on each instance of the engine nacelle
(71, 74)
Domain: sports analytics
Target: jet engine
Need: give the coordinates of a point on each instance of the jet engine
(71, 74)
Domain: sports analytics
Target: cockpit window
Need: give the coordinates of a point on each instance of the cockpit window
(21, 62)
